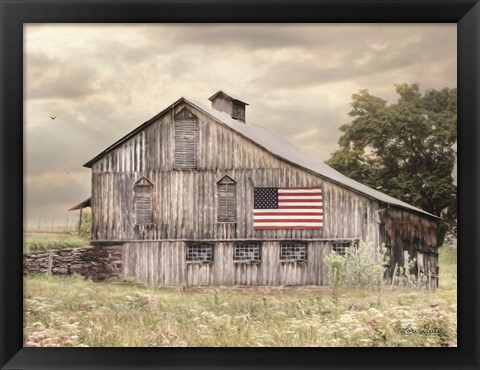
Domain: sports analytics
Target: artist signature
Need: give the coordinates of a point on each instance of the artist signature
(425, 330)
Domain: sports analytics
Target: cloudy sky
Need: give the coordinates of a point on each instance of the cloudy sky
(102, 81)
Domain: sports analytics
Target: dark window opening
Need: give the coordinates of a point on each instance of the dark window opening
(247, 252)
(238, 111)
(341, 247)
(293, 251)
(200, 253)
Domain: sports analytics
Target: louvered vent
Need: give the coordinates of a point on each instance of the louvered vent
(143, 202)
(227, 194)
(229, 104)
(185, 140)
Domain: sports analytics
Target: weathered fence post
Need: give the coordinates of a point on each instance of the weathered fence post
(80, 222)
(50, 262)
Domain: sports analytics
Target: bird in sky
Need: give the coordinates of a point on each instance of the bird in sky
(53, 117)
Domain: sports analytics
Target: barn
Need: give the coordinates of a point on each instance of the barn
(197, 195)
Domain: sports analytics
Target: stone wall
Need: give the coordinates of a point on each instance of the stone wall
(98, 263)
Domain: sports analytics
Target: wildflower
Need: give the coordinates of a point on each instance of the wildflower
(182, 344)
(37, 336)
(173, 335)
(38, 324)
(151, 301)
(32, 344)
(63, 336)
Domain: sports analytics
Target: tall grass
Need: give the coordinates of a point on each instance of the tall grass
(447, 261)
(77, 312)
(44, 241)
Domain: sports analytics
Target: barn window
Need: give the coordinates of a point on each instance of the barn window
(200, 252)
(226, 200)
(247, 252)
(143, 190)
(293, 251)
(185, 140)
(341, 247)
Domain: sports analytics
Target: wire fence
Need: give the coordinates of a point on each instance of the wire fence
(51, 225)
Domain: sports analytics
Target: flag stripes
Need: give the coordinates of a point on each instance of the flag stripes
(288, 208)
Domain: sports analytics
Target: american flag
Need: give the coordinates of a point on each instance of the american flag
(288, 208)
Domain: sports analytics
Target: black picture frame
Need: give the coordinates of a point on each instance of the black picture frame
(14, 13)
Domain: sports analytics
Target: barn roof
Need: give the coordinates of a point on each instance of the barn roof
(278, 146)
(86, 203)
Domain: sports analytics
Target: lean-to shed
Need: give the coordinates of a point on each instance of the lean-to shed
(198, 195)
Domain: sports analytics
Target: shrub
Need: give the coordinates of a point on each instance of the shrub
(405, 276)
(85, 225)
(363, 270)
(356, 269)
(336, 273)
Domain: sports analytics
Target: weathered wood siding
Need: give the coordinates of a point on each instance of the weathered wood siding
(164, 263)
(155, 263)
(223, 104)
(185, 201)
(408, 234)
(185, 207)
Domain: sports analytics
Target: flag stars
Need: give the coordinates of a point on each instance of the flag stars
(266, 198)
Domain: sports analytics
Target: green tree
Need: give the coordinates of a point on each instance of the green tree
(406, 149)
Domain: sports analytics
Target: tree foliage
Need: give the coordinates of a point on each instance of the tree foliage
(406, 149)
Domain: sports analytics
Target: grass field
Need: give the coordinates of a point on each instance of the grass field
(77, 312)
(35, 241)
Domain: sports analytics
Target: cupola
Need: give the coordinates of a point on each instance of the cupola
(229, 104)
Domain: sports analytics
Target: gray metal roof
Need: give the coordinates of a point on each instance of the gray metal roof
(278, 146)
